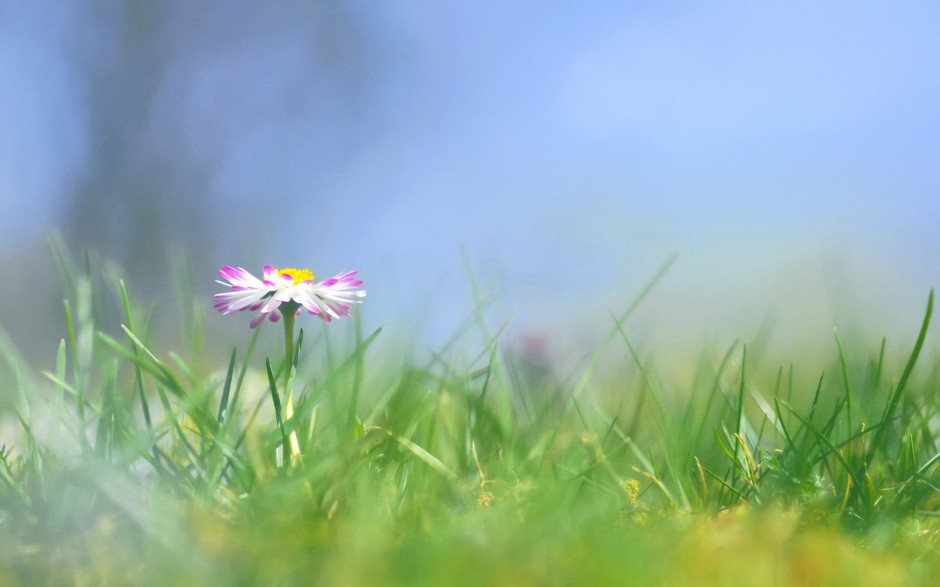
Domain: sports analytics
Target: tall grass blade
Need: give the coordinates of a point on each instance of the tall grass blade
(226, 388)
(895, 398)
(138, 376)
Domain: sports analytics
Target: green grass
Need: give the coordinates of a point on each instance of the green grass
(128, 463)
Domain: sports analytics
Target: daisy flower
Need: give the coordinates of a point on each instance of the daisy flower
(287, 290)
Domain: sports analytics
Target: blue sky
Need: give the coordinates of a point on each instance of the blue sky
(789, 151)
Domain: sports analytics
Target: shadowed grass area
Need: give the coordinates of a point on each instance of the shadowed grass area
(129, 464)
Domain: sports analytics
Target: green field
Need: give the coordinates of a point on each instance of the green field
(139, 458)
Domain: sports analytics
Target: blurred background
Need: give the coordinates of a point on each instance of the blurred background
(789, 152)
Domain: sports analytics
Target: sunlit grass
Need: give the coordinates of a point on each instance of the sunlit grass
(125, 462)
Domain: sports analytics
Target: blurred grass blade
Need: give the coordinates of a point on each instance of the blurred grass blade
(422, 454)
(891, 406)
(144, 406)
(278, 412)
(223, 403)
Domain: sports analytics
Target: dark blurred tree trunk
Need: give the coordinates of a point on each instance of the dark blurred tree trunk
(147, 181)
(131, 203)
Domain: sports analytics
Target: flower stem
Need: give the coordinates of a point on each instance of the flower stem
(288, 345)
(292, 447)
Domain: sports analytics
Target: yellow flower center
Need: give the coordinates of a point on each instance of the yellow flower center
(298, 275)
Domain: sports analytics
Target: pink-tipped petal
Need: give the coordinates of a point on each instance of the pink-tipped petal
(270, 274)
